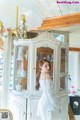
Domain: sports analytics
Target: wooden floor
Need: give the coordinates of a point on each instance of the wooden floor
(71, 115)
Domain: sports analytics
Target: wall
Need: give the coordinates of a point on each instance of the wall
(74, 39)
(73, 68)
(74, 59)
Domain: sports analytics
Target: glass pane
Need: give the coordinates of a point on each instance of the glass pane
(59, 37)
(63, 59)
(47, 53)
(62, 83)
(21, 68)
(1, 74)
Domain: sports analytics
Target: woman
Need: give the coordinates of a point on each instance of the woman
(47, 103)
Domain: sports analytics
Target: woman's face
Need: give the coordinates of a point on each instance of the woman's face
(45, 67)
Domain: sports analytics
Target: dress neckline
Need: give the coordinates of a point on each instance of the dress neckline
(45, 80)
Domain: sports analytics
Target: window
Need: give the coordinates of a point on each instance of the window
(1, 74)
(11, 73)
(1, 70)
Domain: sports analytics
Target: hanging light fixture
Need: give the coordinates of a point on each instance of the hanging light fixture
(23, 27)
(20, 31)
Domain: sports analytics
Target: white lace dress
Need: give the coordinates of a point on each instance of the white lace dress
(47, 105)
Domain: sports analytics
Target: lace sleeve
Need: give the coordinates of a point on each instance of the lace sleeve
(51, 97)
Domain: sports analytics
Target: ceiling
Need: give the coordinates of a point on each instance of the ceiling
(39, 10)
(52, 8)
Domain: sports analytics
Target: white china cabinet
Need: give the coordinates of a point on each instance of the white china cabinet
(28, 52)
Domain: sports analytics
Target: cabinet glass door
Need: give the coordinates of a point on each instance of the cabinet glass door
(62, 82)
(63, 58)
(63, 68)
(21, 68)
(45, 53)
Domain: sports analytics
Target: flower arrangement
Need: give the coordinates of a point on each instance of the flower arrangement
(72, 90)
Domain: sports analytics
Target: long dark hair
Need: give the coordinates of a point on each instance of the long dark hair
(41, 62)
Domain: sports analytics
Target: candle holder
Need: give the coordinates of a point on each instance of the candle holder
(1, 28)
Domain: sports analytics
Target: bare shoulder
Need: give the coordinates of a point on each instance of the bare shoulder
(48, 77)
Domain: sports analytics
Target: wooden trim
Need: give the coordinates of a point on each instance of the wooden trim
(74, 49)
(60, 21)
